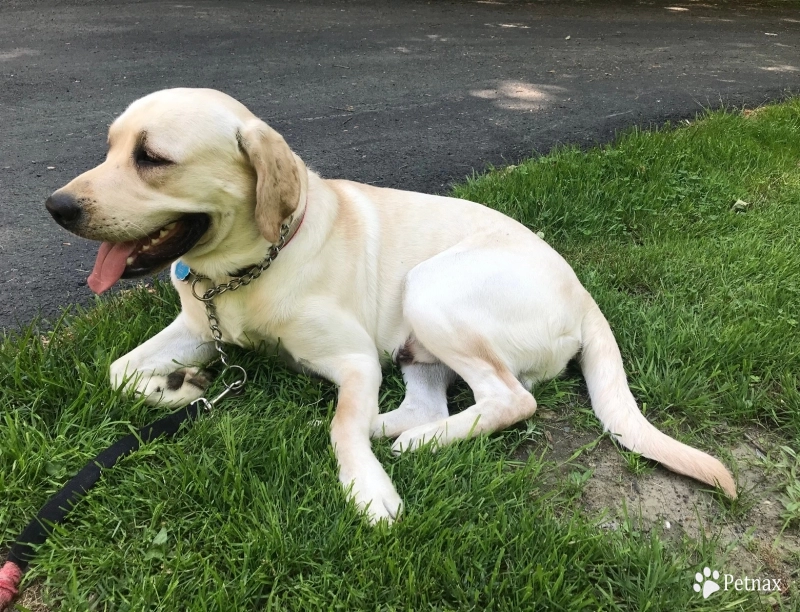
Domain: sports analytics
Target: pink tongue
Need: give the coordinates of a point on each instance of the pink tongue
(109, 265)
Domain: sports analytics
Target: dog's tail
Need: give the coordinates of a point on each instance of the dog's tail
(614, 405)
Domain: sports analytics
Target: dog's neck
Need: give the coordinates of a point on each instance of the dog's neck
(295, 221)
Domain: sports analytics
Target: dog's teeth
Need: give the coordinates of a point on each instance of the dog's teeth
(170, 226)
(163, 232)
(129, 261)
(146, 247)
(154, 241)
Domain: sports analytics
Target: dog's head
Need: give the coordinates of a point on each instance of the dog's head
(189, 172)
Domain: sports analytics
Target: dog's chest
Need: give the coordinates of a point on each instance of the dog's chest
(247, 322)
(242, 317)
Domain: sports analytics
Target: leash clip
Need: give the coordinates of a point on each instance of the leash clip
(231, 388)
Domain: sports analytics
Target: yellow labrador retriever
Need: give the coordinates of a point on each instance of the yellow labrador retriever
(445, 286)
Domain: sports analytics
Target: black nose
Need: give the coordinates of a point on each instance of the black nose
(64, 209)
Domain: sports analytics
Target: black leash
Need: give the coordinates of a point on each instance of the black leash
(59, 505)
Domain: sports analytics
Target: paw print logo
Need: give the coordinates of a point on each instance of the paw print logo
(703, 582)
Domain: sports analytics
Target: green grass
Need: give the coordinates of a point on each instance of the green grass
(244, 511)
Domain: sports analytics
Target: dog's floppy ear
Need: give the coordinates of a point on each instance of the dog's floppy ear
(278, 178)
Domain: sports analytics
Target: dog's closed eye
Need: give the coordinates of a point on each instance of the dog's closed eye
(146, 159)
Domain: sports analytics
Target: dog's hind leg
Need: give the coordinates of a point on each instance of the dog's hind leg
(500, 401)
(471, 310)
(425, 400)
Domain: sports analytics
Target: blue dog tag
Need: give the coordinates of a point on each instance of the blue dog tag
(182, 271)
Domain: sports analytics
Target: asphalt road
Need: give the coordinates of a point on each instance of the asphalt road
(415, 95)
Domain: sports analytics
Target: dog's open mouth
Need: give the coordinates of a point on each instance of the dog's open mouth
(146, 255)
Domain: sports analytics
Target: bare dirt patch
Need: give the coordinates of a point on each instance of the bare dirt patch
(750, 534)
(31, 598)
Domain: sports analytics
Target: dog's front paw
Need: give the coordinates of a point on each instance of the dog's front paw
(375, 496)
(177, 388)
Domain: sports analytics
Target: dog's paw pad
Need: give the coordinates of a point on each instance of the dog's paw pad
(175, 389)
(200, 379)
(175, 381)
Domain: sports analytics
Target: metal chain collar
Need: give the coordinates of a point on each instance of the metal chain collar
(211, 312)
